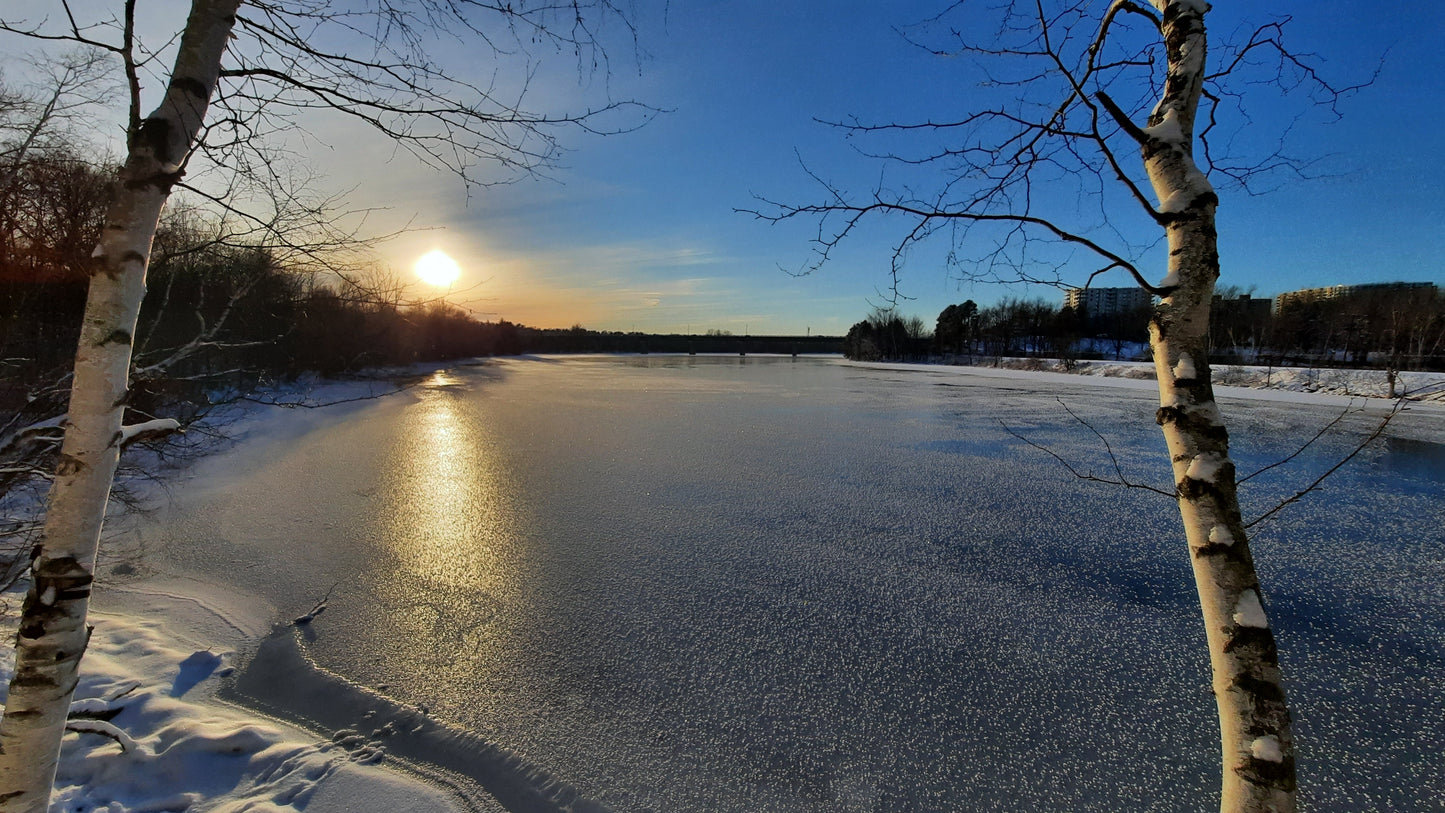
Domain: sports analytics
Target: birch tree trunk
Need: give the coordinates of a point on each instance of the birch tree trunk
(1258, 750)
(53, 631)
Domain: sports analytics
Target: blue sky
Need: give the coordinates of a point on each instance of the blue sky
(638, 231)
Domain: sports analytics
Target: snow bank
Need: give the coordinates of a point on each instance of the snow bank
(1421, 387)
(156, 739)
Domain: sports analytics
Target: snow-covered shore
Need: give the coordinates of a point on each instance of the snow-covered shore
(1350, 383)
(154, 737)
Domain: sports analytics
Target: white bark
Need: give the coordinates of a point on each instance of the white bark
(1257, 747)
(53, 631)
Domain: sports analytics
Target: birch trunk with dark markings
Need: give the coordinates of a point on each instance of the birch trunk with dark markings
(53, 632)
(1257, 748)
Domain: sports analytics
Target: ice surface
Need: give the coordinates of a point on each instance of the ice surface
(722, 584)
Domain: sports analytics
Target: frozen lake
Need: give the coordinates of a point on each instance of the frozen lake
(771, 584)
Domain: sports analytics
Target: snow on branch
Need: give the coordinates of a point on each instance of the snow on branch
(34, 430)
(148, 429)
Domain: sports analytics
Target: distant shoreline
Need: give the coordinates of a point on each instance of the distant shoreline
(1420, 387)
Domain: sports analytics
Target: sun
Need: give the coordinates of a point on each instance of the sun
(436, 268)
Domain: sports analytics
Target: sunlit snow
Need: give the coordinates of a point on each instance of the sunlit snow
(1184, 369)
(1205, 466)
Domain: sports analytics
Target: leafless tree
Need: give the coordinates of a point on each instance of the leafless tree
(1090, 116)
(51, 111)
(239, 73)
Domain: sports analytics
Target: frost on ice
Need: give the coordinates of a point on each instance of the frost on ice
(1266, 747)
(1249, 612)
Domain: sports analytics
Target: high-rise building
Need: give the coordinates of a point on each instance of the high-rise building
(1303, 295)
(1105, 301)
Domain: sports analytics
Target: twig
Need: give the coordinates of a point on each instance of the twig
(1119, 470)
(1299, 451)
(1122, 481)
(1379, 430)
(317, 609)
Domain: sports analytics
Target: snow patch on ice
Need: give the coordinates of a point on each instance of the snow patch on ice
(1267, 748)
(1248, 612)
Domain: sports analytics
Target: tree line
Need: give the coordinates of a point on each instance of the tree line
(219, 313)
(228, 309)
(1014, 327)
(1371, 326)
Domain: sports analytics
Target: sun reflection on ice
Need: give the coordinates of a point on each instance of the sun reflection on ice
(450, 517)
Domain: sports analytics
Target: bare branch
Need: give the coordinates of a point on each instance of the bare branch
(1297, 452)
(1360, 447)
(302, 403)
(104, 729)
(1121, 480)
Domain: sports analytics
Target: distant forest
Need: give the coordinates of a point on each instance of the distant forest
(1400, 329)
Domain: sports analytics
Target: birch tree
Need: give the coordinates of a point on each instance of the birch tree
(1079, 87)
(260, 63)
